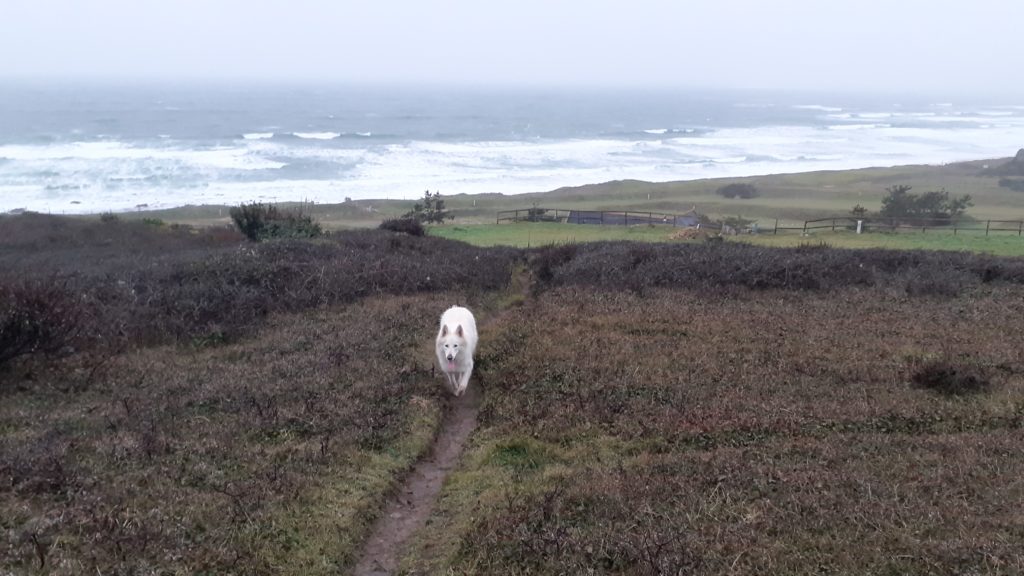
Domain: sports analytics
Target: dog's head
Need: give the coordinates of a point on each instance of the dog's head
(452, 343)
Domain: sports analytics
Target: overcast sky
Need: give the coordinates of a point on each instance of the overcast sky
(867, 45)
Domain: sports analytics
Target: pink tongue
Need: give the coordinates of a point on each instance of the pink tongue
(451, 365)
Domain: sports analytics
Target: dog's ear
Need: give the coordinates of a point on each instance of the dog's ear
(458, 331)
(444, 330)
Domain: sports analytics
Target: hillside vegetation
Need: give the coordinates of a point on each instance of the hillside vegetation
(186, 401)
(791, 198)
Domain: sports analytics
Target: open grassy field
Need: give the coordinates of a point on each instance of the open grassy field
(682, 432)
(533, 234)
(791, 198)
(178, 401)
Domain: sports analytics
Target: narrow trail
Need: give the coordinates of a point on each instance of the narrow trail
(409, 509)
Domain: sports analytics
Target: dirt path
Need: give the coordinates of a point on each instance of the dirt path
(408, 510)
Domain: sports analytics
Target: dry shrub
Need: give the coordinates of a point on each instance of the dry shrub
(214, 460)
(163, 288)
(624, 265)
(265, 221)
(688, 234)
(544, 260)
(950, 378)
(36, 317)
(759, 431)
(615, 523)
(410, 226)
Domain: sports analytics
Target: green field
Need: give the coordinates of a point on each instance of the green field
(532, 234)
(528, 234)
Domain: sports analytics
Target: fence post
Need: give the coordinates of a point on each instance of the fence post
(833, 224)
(805, 228)
(776, 231)
(625, 218)
(1020, 227)
(988, 224)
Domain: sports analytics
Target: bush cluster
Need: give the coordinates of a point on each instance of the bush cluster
(686, 431)
(265, 221)
(738, 190)
(177, 286)
(36, 317)
(950, 378)
(633, 266)
(193, 461)
(410, 226)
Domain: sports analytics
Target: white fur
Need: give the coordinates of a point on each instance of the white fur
(456, 342)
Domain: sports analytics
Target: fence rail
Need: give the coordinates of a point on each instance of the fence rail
(604, 217)
(837, 223)
(922, 225)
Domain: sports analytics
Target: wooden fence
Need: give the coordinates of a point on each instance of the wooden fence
(837, 223)
(603, 217)
(922, 225)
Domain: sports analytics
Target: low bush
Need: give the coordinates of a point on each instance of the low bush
(410, 226)
(157, 285)
(950, 378)
(36, 317)
(1012, 183)
(265, 221)
(738, 190)
(630, 266)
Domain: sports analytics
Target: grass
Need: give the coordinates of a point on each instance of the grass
(236, 408)
(527, 234)
(270, 455)
(791, 198)
(678, 430)
(1000, 244)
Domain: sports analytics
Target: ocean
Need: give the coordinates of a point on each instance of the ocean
(93, 147)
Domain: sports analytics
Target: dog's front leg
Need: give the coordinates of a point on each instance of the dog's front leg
(464, 379)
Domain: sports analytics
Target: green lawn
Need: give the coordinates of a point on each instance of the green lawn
(1001, 244)
(544, 233)
(527, 234)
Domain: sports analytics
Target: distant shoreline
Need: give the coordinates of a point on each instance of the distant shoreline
(796, 195)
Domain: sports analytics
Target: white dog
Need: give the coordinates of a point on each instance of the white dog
(456, 343)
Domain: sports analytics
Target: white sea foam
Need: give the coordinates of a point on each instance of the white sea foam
(258, 135)
(656, 131)
(317, 135)
(364, 134)
(115, 176)
(857, 126)
(818, 107)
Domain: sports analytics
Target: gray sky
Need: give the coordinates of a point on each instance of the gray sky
(904, 45)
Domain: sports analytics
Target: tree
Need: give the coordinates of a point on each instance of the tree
(430, 210)
(935, 205)
(859, 211)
